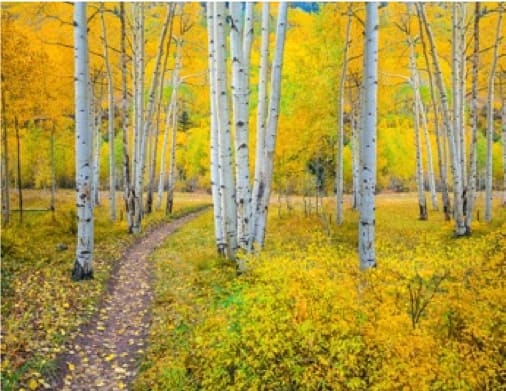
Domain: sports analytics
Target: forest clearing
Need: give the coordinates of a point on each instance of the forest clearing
(253, 196)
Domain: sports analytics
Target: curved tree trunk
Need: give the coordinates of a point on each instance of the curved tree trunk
(366, 234)
(265, 181)
(84, 250)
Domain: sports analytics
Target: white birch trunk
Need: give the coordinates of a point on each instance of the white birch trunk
(172, 160)
(110, 119)
(260, 135)
(225, 149)
(471, 183)
(215, 177)
(422, 204)
(265, 182)
(240, 116)
(140, 134)
(460, 228)
(366, 236)
(96, 160)
(151, 103)
(340, 125)
(354, 159)
(490, 120)
(462, 90)
(128, 196)
(83, 268)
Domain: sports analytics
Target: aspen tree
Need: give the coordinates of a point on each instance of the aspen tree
(5, 169)
(239, 74)
(127, 189)
(503, 125)
(471, 183)
(96, 160)
(152, 94)
(490, 118)
(83, 268)
(139, 139)
(154, 150)
(227, 187)
(110, 118)
(439, 137)
(215, 177)
(261, 109)
(265, 182)
(340, 127)
(366, 237)
(460, 228)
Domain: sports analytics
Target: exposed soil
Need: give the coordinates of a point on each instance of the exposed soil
(106, 352)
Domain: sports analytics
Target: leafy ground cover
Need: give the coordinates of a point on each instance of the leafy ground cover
(41, 307)
(430, 317)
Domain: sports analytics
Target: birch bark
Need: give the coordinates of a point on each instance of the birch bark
(366, 237)
(265, 182)
(83, 268)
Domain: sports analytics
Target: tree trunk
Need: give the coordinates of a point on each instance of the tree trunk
(462, 97)
(215, 178)
(460, 228)
(140, 139)
(354, 157)
(154, 151)
(110, 119)
(471, 183)
(20, 190)
(503, 122)
(172, 158)
(5, 169)
(490, 119)
(151, 100)
(240, 114)
(260, 136)
(128, 196)
(265, 180)
(53, 176)
(368, 142)
(439, 138)
(225, 149)
(340, 126)
(84, 250)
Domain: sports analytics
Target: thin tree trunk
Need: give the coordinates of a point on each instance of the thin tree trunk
(84, 250)
(439, 138)
(225, 149)
(260, 136)
(240, 115)
(368, 145)
(128, 196)
(215, 177)
(96, 160)
(110, 119)
(422, 204)
(460, 228)
(5, 168)
(154, 152)
(340, 127)
(140, 133)
(172, 161)
(53, 176)
(471, 183)
(490, 119)
(20, 190)
(265, 182)
(354, 157)
(462, 90)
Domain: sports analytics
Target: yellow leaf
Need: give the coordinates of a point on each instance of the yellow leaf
(110, 357)
(32, 384)
(71, 366)
(121, 385)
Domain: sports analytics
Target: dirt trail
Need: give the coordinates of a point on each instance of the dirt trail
(105, 354)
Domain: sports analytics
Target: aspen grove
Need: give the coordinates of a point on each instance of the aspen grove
(241, 195)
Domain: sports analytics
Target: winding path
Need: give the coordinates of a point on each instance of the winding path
(106, 352)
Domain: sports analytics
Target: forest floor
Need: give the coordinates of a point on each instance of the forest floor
(106, 352)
